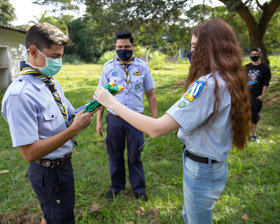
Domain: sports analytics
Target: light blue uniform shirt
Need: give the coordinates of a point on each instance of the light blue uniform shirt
(140, 78)
(213, 140)
(32, 113)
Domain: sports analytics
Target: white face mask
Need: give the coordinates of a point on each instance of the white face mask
(52, 67)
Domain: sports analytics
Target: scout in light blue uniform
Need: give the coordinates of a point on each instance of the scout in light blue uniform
(135, 76)
(141, 80)
(37, 112)
(32, 113)
(212, 141)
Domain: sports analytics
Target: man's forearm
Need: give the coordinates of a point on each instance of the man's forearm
(43, 147)
(153, 105)
(99, 115)
(264, 91)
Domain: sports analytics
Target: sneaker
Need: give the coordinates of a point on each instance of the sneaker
(110, 195)
(255, 139)
(142, 197)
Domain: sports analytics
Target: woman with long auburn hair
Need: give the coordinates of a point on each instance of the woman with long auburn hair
(212, 116)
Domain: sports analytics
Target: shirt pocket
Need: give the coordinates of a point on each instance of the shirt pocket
(137, 83)
(52, 120)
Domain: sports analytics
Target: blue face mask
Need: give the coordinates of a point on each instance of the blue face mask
(124, 55)
(189, 55)
(52, 67)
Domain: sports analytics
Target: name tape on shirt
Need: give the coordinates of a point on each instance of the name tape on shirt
(194, 91)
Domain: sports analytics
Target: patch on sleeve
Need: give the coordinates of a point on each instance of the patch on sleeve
(182, 104)
(195, 90)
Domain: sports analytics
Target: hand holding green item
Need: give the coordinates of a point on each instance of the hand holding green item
(111, 87)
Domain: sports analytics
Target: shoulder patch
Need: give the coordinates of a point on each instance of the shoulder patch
(16, 87)
(195, 90)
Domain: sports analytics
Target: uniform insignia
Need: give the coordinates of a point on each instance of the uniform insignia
(194, 91)
(182, 104)
(115, 74)
(136, 87)
(137, 73)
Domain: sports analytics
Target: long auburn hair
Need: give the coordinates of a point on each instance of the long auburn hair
(217, 49)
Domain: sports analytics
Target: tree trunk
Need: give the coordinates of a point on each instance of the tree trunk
(256, 30)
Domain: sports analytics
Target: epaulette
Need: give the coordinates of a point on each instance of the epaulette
(140, 60)
(109, 62)
(17, 87)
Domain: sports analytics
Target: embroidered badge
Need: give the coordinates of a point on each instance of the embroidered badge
(115, 74)
(140, 68)
(182, 104)
(137, 73)
(194, 91)
(136, 87)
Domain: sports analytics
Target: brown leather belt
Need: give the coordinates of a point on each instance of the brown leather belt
(56, 163)
(198, 158)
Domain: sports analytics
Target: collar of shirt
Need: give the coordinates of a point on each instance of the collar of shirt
(31, 78)
(134, 61)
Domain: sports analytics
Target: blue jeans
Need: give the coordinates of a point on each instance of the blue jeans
(202, 186)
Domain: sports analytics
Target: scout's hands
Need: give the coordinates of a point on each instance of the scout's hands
(104, 97)
(82, 120)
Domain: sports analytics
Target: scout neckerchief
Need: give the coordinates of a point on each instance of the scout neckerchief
(26, 69)
(127, 84)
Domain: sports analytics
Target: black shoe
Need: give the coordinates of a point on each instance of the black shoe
(142, 197)
(110, 195)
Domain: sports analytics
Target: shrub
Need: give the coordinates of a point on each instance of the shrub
(108, 55)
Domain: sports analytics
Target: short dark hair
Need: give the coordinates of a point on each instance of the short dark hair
(256, 49)
(44, 35)
(124, 34)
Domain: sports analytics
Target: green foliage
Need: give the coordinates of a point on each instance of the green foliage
(271, 39)
(7, 12)
(157, 60)
(108, 55)
(88, 42)
(73, 59)
(252, 187)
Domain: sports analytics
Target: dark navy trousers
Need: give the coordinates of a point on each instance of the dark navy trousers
(55, 191)
(118, 131)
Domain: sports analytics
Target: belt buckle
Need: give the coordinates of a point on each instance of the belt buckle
(46, 163)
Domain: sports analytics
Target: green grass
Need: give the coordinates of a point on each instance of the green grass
(253, 183)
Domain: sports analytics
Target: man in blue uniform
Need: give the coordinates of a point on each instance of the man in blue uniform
(37, 111)
(134, 74)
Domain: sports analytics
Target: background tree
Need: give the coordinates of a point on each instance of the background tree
(7, 12)
(168, 20)
(257, 23)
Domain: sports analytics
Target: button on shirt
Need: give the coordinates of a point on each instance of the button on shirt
(213, 140)
(32, 113)
(140, 79)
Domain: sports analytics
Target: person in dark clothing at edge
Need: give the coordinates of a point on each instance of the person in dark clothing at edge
(258, 80)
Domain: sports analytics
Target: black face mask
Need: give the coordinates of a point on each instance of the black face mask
(189, 55)
(124, 55)
(255, 58)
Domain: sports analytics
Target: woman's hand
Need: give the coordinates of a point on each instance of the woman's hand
(104, 97)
